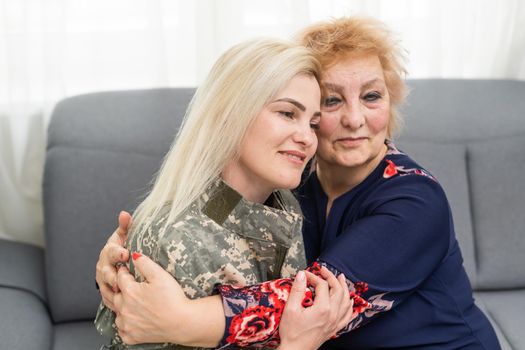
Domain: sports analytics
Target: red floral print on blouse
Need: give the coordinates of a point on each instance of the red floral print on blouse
(392, 169)
(253, 313)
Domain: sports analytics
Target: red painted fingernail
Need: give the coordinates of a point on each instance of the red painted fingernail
(136, 255)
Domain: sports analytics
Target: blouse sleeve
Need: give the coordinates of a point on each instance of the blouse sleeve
(401, 236)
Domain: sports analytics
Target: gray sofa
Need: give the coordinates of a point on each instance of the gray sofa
(104, 148)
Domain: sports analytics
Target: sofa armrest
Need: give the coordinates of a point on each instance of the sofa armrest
(22, 267)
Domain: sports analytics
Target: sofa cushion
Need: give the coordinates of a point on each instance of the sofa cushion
(84, 190)
(497, 174)
(506, 308)
(463, 110)
(143, 121)
(24, 321)
(447, 162)
(78, 336)
(505, 345)
(22, 267)
(103, 150)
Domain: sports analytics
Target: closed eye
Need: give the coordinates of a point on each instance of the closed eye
(372, 96)
(331, 101)
(286, 114)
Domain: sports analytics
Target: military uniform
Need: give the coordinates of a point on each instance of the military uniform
(220, 239)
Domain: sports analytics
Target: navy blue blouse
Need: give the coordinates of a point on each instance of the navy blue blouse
(394, 231)
(393, 238)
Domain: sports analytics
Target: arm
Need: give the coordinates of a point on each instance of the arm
(157, 310)
(360, 253)
(386, 255)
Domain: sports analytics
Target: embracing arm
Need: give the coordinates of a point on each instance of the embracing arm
(157, 310)
(385, 255)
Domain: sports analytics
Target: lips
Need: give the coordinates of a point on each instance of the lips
(351, 141)
(295, 156)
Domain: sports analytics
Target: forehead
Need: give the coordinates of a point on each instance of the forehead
(302, 87)
(354, 67)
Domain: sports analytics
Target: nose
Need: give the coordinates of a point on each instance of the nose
(305, 135)
(353, 116)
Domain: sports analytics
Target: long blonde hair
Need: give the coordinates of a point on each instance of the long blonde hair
(240, 84)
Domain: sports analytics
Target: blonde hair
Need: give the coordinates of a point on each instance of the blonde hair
(337, 39)
(240, 84)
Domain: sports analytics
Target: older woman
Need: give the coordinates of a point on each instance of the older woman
(372, 213)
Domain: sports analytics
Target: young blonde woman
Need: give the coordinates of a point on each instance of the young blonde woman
(220, 211)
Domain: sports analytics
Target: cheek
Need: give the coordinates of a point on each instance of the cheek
(378, 121)
(327, 126)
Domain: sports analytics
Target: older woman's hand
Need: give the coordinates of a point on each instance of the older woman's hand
(112, 254)
(157, 310)
(308, 328)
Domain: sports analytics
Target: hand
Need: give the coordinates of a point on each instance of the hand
(150, 311)
(112, 253)
(308, 328)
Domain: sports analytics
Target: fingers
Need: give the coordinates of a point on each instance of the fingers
(124, 223)
(147, 267)
(115, 253)
(348, 316)
(344, 286)
(125, 279)
(333, 282)
(107, 296)
(297, 292)
(322, 292)
(106, 272)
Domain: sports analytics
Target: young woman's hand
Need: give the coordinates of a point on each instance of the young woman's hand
(112, 254)
(308, 328)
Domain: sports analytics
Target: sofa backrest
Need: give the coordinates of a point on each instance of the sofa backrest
(104, 149)
(471, 135)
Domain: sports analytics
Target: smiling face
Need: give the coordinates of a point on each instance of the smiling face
(279, 142)
(356, 113)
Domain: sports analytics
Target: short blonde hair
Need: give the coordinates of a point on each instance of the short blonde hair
(240, 84)
(337, 39)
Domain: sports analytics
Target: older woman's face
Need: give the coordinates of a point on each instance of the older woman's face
(355, 114)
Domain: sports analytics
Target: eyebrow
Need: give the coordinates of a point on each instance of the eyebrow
(339, 88)
(292, 101)
(373, 81)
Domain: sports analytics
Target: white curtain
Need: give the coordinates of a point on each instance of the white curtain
(51, 49)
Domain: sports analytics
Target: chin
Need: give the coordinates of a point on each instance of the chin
(288, 184)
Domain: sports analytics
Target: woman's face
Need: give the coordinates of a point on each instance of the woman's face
(356, 113)
(281, 139)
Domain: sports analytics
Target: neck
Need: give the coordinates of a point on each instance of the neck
(249, 189)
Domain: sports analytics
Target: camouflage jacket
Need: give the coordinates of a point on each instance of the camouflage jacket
(221, 238)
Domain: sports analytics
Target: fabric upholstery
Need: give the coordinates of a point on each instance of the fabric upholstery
(24, 321)
(29, 273)
(78, 336)
(507, 309)
(497, 174)
(103, 151)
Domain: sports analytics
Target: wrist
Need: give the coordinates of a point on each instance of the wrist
(200, 323)
(182, 323)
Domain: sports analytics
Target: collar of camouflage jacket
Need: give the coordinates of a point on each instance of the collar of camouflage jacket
(278, 222)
